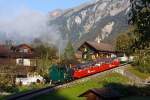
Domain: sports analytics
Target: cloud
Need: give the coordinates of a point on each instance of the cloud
(29, 24)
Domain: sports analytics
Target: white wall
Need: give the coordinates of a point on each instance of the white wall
(26, 62)
(29, 80)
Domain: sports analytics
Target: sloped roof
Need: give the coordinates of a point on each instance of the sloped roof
(4, 49)
(6, 52)
(99, 46)
(21, 45)
(102, 92)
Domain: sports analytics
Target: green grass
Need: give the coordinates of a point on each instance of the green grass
(24, 89)
(138, 73)
(2, 97)
(31, 87)
(73, 92)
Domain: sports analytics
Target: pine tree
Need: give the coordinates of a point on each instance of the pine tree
(140, 17)
(69, 54)
(69, 51)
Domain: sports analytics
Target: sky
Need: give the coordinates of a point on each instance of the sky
(24, 20)
(12, 7)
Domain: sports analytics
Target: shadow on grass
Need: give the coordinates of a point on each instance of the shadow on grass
(54, 95)
(129, 90)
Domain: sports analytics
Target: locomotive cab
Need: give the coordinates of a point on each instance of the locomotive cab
(60, 74)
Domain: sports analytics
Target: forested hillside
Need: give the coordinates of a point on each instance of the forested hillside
(136, 41)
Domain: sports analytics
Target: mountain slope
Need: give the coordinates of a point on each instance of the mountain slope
(105, 18)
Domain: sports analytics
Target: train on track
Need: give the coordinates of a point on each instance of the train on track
(62, 73)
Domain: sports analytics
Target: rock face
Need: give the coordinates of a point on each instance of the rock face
(105, 18)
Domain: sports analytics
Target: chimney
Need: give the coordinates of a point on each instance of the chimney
(98, 39)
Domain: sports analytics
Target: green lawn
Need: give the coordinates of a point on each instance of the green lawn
(31, 87)
(73, 92)
(23, 89)
(138, 73)
(2, 97)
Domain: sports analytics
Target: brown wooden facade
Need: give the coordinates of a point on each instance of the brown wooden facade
(93, 50)
(21, 58)
(101, 94)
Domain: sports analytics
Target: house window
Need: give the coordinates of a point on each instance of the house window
(20, 61)
(85, 49)
(24, 50)
(93, 57)
(84, 56)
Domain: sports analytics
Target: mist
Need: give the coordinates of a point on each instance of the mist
(27, 25)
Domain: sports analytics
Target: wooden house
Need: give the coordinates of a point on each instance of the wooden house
(101, 94)
(94, 50)
(23, 48)
(25, 55)
(22, 57)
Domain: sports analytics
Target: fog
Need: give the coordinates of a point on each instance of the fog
(27, 25)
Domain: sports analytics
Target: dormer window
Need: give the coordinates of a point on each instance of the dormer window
(24, 50)
(85, 49)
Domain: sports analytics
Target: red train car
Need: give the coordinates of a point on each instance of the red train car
(96, 68)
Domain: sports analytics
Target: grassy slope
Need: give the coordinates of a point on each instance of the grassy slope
(2, 97)
(23, 89)
(73, 92)
(138, 73)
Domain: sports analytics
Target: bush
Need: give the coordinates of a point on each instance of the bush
(10, 89)
(143, 63)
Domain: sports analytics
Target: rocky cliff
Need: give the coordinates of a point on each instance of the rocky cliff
(105, 18)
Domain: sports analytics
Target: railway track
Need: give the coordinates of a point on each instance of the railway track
(29, 95)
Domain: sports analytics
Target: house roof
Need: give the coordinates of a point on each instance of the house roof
(20, 46)
(6, 52)
(4, 49)
(23, 55)
(102, 92)
(97, 46)
(100, 46)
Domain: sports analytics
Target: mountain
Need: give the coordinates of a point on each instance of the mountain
(104, 18)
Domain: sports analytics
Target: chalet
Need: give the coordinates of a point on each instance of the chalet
(101, 94)
(22, 56)
(94, 50)
(25, 55)
(23, 48)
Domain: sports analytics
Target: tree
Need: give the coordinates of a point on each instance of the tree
(140, 17)
(69, 54)
(47, 54)
(69, 51)
(125, 41)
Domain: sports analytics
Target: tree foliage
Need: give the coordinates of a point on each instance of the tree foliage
(125, 41)
(47, 54)
(69, 54)
(137, 41)
(140, 17)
